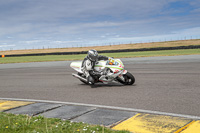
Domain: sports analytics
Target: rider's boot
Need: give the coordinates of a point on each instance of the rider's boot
(90, 80)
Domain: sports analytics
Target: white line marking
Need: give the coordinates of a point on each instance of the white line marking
(107, 107)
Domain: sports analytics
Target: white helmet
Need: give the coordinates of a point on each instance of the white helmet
(92, 55)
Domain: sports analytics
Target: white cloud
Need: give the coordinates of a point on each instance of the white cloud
(52, 22)
(175, 35)
(7, 45)
(197, 10)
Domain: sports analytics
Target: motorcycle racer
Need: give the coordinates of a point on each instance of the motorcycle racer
(101, 69)
(88, 65)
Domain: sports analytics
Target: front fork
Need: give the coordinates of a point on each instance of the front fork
(121, 75)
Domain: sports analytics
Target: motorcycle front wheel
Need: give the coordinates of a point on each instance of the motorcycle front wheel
(129, 79)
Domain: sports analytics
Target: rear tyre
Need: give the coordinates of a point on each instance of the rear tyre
(129, 79)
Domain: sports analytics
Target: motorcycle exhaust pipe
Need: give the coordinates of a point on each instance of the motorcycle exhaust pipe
(79, 77)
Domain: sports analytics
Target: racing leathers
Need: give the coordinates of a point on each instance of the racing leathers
(88, 68)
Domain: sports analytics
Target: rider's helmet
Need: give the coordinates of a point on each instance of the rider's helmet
(92, 55)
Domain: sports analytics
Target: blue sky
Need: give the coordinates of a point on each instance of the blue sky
(28, 24)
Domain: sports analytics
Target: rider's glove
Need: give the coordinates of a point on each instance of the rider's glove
(103, 73)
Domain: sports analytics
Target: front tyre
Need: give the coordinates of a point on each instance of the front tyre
(129, 79)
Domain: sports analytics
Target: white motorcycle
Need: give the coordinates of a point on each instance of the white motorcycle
(113, 68)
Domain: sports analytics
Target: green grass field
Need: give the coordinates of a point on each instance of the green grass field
(81, 56)
(10, 123)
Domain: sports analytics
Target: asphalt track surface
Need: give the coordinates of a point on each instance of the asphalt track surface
(166, 84)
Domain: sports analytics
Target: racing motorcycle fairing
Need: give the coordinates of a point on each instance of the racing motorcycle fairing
(114, 71)
(76, 66)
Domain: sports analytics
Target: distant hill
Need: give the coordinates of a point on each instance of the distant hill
(110, 47)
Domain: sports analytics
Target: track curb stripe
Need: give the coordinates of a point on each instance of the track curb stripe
(192, 128)
(7, 105)
(184, 127)
(2, 101)
(107, 107)
(145, 122)
(151, 123)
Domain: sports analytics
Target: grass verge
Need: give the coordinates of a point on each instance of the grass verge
(81, 56)
(10, 123)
